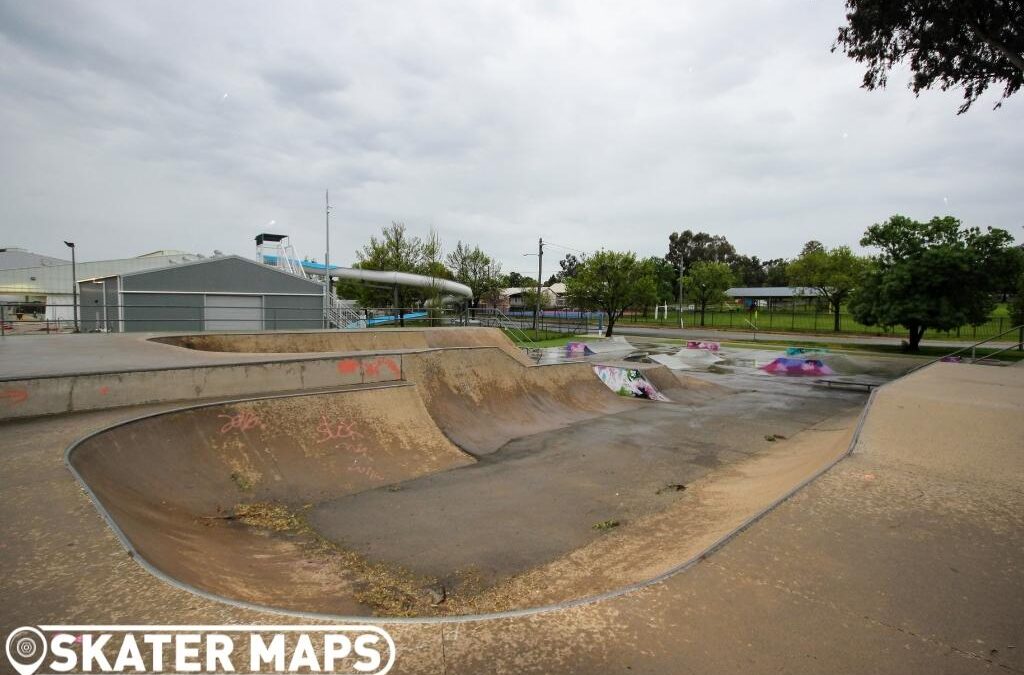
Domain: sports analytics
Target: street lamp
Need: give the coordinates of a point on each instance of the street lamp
(74, 281)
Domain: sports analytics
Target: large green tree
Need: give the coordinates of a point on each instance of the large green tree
(936, 275)
(706, 283)
(611, 281)
(665, 278)
(833, 273)
(398, 251)
(947, 43)
(776, 272)
(748, 271)
(476, 269)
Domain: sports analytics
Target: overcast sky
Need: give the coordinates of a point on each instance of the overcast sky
(133, 126)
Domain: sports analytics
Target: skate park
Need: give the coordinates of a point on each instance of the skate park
(441, 477)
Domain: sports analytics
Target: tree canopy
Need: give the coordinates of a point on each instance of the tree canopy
(947, 43)
(706, 282)
(690, 247)
(611, 282)
(833, 273)
(936, 275)
(476, 269)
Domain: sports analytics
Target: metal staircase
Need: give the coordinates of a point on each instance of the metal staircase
(338, 314)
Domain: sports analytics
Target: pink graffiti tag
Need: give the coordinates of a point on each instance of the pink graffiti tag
(335, 431)
(241, 421)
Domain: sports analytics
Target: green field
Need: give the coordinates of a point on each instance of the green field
(813, 322)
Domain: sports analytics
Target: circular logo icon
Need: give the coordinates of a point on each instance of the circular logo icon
(26, 649)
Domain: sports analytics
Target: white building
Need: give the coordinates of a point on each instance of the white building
(39, 286)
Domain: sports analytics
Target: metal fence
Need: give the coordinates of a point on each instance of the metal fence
(801, 320)
(121, 318)
(19, 318)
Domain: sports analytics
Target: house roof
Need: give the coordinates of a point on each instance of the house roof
(773, 292)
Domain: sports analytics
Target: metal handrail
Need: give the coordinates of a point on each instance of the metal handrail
(510, 326)
(974, 347)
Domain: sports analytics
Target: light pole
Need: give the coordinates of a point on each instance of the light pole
(74, 282)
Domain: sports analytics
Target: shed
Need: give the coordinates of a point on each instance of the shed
(223, 293)
(771, 295)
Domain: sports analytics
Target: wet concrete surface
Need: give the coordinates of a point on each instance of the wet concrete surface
(540, 496)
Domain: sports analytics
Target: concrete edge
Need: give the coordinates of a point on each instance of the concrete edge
(467, 618)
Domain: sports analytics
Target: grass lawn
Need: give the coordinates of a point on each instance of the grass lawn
(540, 338)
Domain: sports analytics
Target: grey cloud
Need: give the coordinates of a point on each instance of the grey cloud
(594, 125)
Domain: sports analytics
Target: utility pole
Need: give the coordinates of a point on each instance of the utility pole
(540, 267)
(74, 281)
(327, 219)
(327, 257)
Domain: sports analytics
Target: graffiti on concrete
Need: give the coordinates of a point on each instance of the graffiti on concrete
(241, 421)
(697, 344)
(628, 382)
(336, 430)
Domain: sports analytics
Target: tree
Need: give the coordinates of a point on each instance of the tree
(776, 272)
(948, 43)
(705, 283)
(529, 296)
(833, 273)
(929, 275)
(476, 269)
(611, 282)
(570, 265)
(748, 271)
(690, 247)
(665, 278)
(812, 246)
(396, 250)
(517, 280)
(686, 248)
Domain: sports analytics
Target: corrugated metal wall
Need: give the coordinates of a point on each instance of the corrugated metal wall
(221, 294)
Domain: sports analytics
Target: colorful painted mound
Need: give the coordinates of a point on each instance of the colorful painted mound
(629, 382)
(578, 349)
(710, 346)
(791, 366)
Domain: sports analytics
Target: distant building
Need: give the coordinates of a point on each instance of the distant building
(512, 299)
(770, 296)
(13, 258)
(223, 293)
(41, 286)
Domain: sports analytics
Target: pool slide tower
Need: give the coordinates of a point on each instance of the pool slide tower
(276, 250)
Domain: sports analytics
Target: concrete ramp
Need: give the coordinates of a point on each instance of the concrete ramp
(173, 483)
(483, 398)
(346, 341)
